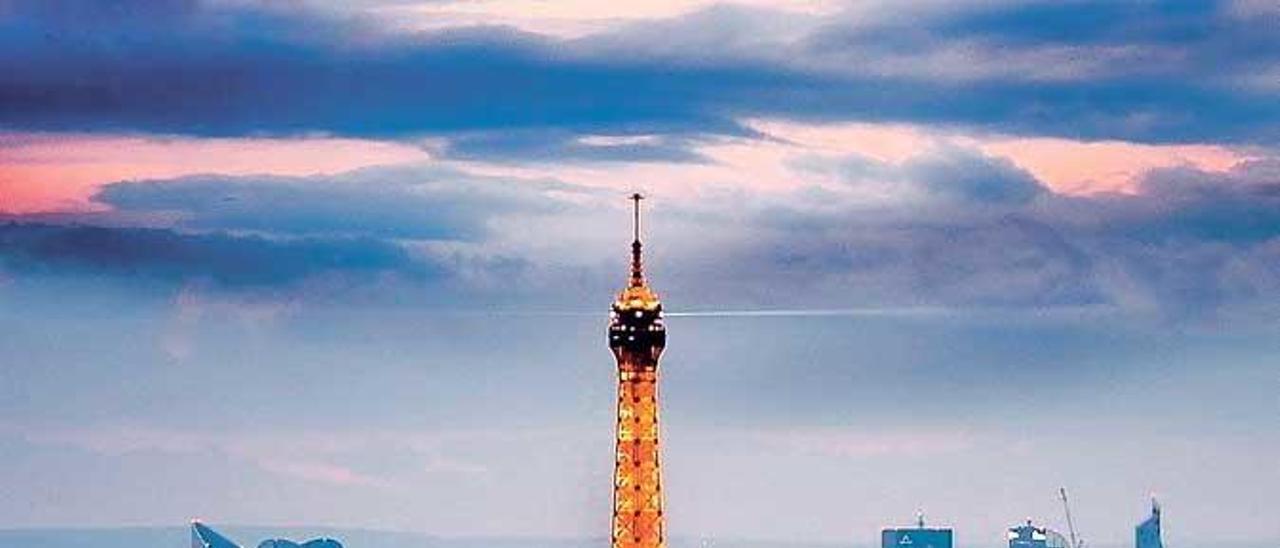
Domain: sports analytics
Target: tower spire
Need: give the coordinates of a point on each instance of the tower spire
(637, 268)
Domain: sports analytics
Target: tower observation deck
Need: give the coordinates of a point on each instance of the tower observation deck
(636, 337)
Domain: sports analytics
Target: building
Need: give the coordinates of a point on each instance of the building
(202, 536)
(637, 337)
(916, 537)
(1030, 536)
(1147, 533)
(313, 543)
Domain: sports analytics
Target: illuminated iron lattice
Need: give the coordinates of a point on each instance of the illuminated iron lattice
(637, 336)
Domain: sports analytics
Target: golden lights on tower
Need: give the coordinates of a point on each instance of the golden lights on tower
(637, 337)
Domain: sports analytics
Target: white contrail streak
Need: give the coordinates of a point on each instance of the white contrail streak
(800, 312)
(1051, 313)
(1039, 313)
(740, 313)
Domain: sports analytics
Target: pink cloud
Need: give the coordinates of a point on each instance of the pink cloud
(772, 165)
(59, 172)
(1080, 167)
(1064, 165)
(569, 18)
(891, 143)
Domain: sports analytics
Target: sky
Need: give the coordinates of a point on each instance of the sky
(347, 263)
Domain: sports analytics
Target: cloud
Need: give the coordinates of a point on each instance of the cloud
(570, 18)
(934, 173)
(1241, 206)
(406, 202)
(220, 259)
(967, 175)
(446, 234)
(80, 12)
(929, 257)
(1189, 245)
(944, 226)
(1144, 73)
(53, 171)
(553, 146)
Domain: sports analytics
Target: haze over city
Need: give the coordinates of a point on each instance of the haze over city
(350, 264)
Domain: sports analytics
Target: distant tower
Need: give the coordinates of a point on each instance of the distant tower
(637, 336)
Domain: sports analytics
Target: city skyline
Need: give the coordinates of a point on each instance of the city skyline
(348, 264)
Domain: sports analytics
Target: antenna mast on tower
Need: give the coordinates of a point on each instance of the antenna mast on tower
(637, 269)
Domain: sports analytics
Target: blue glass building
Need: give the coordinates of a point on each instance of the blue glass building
(916, 537)
(1030, 536)
(202, 536)
(1147, 533)
(314, 543)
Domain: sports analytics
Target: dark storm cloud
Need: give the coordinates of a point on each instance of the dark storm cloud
(1160, 75)
(220, 259)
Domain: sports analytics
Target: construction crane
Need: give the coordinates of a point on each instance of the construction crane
(1076, 542)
